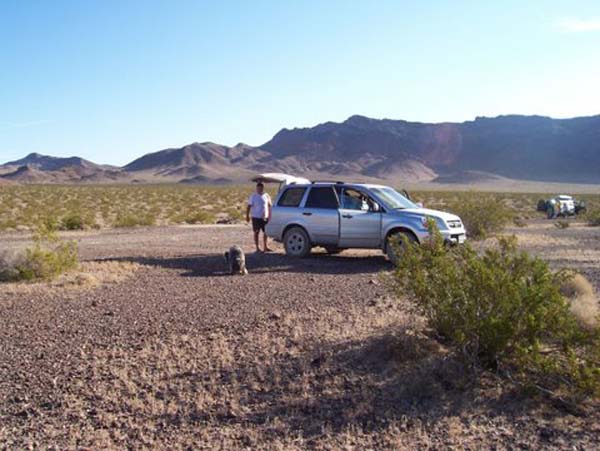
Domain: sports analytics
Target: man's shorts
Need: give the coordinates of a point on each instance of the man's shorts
(258, 224)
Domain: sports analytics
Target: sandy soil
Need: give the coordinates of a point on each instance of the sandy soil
(577, 246)
(298, 354)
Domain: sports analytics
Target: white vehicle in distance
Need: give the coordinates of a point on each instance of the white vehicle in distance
(338, 216)
(561, 205)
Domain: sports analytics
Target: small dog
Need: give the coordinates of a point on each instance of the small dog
(236, 259)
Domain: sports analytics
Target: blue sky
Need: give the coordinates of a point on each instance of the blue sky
(112, 80)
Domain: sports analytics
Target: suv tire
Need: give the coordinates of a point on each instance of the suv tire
(296, 242)
(393, 256)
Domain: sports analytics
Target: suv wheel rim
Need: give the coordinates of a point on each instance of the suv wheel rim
(295, 243)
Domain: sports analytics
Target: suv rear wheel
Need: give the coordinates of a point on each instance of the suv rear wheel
(395, 253)
(296, 242)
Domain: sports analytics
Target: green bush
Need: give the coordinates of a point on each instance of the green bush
(482, 215)
(501, 310)
(72, 221)
(47, 258)
(43, 262)
(133, 220)
(593, 218)
(48, 223)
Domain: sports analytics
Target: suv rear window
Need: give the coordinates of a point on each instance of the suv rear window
(292, 197)
(322, 197)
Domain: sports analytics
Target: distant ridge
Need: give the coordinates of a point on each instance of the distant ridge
(485, 150)
(520, 147)
(48, 163)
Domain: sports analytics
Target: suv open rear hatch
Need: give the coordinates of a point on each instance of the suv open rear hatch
(282, 179)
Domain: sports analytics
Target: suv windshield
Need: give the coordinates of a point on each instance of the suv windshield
(393, 199)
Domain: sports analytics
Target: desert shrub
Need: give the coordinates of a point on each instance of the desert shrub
(582, 299)
(48, 223)
(78, 221)
(235, 214)
(198, 217)
(124, 220)
(482, 215)
(502, 310)
(9, 261)
(562, 224)
(519, 221)
(8, 224)
(47, 258)
(72, 221)
(593, 218)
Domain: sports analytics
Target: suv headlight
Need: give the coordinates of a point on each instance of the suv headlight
(439, 222)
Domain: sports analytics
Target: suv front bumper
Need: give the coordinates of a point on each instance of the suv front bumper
(456, 238)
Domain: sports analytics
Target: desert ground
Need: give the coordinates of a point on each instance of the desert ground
(156, 346)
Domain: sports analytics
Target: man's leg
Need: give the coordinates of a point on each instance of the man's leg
(265, 246)
(256, 233)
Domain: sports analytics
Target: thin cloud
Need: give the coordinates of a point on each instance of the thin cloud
(11, 125)
(573, 25)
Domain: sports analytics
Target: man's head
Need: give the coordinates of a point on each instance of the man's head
(260, 187)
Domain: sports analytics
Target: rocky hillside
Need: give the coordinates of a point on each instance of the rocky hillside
(201, 163)
(37, 168)
(522, 147)
(48, 163)
(484, 150)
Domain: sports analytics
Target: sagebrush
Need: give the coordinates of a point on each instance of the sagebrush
(502, 310)
(482, 215)
(593, 218)
(46, 258)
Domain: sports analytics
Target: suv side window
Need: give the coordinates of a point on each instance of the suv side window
(322, 197)
(354, 200)
(292, 197)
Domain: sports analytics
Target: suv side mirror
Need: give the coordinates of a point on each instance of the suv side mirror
(419, 204)
(375, 207)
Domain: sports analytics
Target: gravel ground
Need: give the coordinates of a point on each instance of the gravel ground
(298, 354)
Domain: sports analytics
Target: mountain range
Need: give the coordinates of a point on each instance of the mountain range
(532, 148)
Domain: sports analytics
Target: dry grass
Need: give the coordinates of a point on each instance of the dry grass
(283, 384)
(89, 207)
(88, 275)
(337, 380)
(583, 299)
(523, 205)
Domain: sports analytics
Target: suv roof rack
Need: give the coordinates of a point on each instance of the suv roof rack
(337, 182)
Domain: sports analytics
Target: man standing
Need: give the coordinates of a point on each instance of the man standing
(259, 207)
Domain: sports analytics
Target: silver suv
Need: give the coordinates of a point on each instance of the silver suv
(337, 216)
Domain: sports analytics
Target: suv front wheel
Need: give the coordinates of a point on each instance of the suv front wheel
(395, 244)
(296, 242)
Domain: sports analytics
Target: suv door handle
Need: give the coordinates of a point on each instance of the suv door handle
(347, 216)
(307, 213)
